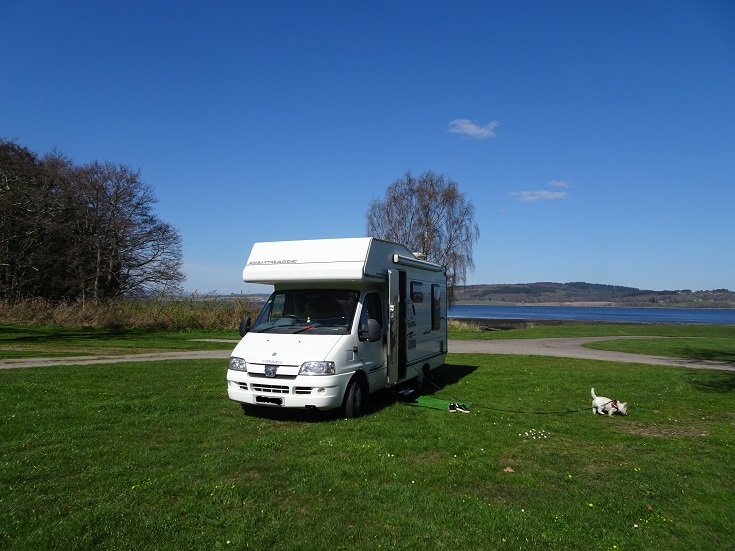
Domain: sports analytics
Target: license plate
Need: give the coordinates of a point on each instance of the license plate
(269, 401)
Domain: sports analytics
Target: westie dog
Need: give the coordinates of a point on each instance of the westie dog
(603, 405)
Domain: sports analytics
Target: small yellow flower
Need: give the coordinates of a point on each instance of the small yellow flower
(591, 505)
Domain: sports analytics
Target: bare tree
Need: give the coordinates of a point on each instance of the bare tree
(428, 215)
(126, 248)
(69, 232)
(33, 203)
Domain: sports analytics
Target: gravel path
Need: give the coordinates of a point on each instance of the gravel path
(572, 348)
(563, 348)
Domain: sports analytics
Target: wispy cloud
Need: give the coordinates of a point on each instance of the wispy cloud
(471, 129)
(543, 194)
(527, 196)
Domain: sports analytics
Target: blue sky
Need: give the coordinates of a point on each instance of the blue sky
(596, 139)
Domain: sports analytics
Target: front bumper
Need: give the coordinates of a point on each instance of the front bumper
(303, 391)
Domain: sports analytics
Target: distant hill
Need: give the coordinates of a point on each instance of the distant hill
(579, 293)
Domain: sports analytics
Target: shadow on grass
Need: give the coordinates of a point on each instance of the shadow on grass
(290, 415)
(48, 336)
(723, 384)
(441, 377)
(710, 354)
(447, 375)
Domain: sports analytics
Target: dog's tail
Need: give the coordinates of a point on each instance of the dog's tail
(592, 391)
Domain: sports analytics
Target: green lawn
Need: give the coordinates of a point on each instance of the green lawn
(24, 341)
(154, 456)
(700, 348)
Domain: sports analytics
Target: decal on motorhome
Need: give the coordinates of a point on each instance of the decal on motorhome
(259, 262)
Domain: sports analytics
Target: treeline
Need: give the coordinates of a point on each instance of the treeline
(579, 292)
(80, 232)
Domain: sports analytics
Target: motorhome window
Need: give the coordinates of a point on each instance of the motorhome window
(436, 307)
(308, 311)
(417, 291)
(371, 309)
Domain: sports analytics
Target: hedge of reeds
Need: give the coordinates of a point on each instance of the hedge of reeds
(162, 312)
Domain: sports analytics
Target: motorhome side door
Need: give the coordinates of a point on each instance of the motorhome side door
(397, 326)
(394, 297)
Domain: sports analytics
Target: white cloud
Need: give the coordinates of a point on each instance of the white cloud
(543, 194)
(527, 196)
(471, 129)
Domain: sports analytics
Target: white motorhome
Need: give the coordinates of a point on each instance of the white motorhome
(347, 317)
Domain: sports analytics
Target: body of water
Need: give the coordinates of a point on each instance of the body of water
(596, 313)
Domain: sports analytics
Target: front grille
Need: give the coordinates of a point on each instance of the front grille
(302, 390)
(269, 389)
(278, 376)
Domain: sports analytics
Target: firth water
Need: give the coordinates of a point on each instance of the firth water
(596, 313)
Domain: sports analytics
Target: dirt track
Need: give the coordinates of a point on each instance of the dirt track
(564, 348)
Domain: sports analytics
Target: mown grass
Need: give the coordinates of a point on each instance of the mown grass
(154, 456)
(32, 341)
(700, 348)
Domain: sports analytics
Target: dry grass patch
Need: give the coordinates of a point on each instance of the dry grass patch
(663, 431)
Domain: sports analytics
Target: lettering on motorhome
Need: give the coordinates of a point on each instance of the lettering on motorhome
(257, 262)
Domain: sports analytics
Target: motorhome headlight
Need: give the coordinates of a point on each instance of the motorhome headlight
(238, 364)
(317, 368)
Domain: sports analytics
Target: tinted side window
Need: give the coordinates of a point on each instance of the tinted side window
(371, 309)
(436, 307)
(376, 308)
(417, 291)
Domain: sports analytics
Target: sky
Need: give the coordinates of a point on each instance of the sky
(595, 139)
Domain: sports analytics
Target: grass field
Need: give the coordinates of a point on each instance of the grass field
(154, 456)
(23, 341)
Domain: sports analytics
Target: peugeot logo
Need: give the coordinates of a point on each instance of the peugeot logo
(270, 370)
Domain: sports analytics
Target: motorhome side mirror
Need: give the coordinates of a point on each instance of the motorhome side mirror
(244, 326)
(374, 332)
(370, 333)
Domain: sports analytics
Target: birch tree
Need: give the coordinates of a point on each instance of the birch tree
(428, 215)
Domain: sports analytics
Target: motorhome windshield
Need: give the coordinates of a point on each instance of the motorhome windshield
(312, 311)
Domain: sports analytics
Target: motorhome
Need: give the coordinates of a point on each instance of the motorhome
(347, 317)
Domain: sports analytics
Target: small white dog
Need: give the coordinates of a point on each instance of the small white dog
(603, 405)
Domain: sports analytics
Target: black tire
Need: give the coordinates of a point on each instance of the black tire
(422, 379)
(355, 400)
